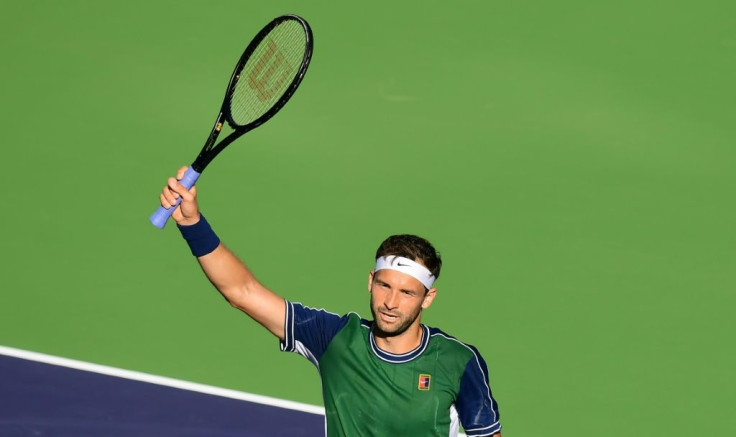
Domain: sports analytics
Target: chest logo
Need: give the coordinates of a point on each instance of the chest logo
(424, 381)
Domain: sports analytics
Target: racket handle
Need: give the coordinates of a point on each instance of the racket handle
(161, 216)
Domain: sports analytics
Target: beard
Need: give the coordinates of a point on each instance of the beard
(402, 323)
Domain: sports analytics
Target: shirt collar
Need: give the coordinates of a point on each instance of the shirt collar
(400, 358)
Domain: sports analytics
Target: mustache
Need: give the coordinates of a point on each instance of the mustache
(385, 310)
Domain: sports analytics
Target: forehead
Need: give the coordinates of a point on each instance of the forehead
(398, 279)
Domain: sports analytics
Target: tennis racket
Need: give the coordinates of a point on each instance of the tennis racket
(265, 77)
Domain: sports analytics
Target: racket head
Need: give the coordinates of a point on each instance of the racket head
(269, 71)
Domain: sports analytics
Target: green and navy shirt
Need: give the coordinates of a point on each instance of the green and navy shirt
(428, 391)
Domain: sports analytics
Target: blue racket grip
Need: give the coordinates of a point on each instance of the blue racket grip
(161, 216)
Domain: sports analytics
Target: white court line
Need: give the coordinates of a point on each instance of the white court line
(160, 380)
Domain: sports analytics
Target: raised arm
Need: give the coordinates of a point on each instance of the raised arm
(226, 272)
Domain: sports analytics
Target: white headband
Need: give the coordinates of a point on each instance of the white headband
(405, 265)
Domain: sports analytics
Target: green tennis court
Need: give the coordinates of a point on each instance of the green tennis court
(573, 162)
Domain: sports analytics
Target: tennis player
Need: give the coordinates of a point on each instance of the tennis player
(390, 376)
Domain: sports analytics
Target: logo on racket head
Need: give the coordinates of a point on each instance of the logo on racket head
(270, 72)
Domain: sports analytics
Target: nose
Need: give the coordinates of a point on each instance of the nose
(391, 300)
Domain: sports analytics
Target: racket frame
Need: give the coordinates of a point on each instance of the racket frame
(208, 152)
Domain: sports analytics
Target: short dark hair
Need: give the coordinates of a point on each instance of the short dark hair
(413, 247)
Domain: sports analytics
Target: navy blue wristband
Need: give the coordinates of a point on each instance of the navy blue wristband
(200, 237)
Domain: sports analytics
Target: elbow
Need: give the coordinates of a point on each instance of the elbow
(237, 297)
(234, 304)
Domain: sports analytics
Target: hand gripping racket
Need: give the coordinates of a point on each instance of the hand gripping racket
(265, 77)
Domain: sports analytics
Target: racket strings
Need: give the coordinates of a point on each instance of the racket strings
(269, 72)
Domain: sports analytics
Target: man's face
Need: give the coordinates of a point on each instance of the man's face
(397, 300)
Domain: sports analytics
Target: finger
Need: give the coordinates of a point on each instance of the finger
(174, 186)
(180, 190)
(180, 172)
(164, 201)
(170, 195)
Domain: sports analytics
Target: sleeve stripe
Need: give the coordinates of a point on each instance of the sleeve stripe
(318, 309)
(489, 427)
(288, 343)
(485, 377)
(291, 326)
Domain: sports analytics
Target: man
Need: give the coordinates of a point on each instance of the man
(391, 376)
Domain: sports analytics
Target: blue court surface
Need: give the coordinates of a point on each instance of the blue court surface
(42, 395)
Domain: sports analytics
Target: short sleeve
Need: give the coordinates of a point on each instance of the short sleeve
(308, 331)
(476, 407)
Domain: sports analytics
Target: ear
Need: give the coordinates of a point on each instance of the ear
(429, 298)
(370, 279)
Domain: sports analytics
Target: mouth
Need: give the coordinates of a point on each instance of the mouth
(389, 318)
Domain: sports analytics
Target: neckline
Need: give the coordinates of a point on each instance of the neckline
(400, 358)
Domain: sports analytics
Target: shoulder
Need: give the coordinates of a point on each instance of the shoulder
(309, 331)
(320, 318)
(299, 309)
(451, 346)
